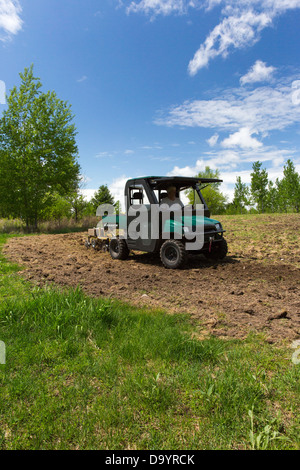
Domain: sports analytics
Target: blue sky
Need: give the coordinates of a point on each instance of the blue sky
(165, 86)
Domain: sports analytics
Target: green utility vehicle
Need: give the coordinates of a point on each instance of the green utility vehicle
(174, 236)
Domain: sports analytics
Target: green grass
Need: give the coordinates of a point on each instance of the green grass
(86, 373)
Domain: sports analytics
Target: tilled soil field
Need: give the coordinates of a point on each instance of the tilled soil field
(255, 289)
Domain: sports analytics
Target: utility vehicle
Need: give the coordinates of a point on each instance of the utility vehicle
(171, 240)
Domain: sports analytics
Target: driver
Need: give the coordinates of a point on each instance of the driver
(171, 198)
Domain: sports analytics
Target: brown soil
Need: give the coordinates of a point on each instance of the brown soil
(255, 289)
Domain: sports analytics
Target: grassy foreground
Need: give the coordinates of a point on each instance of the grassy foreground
(82, 373)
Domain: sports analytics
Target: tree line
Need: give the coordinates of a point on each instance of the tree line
(40, 175)
(260, 196)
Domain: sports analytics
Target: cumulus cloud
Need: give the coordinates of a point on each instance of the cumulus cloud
(243, 139)
(259, 72)
(265, 108)
(10, 20)
(88, 194)
(222, 160)
(117, 189)
(247, 116)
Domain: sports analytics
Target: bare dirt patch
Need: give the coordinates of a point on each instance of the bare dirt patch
(256, 288)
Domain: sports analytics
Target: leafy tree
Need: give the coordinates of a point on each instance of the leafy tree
(272, 198)
(102, 196)
(77, 201)
(241, 195)
(282, 203)
(259, 186)
(88, 209)
(78, 204)
(289, 187)
(216, 201)
(58, 209)
(38, 151)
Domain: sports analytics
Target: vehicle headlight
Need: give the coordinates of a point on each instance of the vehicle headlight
(218, 227)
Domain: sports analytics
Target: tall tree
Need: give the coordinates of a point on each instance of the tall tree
(102, 196)
(290, 187)
(78, 204)
(272, 199)
(259, 186)
(38, 151)
(77, 201)
(241, 195)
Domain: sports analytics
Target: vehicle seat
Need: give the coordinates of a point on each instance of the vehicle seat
(138, 196)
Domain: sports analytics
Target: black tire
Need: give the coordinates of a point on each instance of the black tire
(173, 254)
(219, 250)
(118, 249)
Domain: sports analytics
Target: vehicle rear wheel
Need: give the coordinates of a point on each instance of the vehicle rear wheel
(118, 249)
(173, 254)
(219, 250)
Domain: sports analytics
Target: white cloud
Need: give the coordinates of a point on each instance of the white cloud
(82, 79)
(168, 7)
(165, 159)
(10, 20)
(233, 32)
(240, 23)
(151, 147)
(161, 7)
(88, 193)
(117, 189)
(265, 108)
(104, 155)
(243, 139)
(259, 72)
(212, 141)
(228, 160)
(222, 160)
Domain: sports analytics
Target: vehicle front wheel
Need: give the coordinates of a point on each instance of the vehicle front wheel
(118, 249)
(173, 254)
